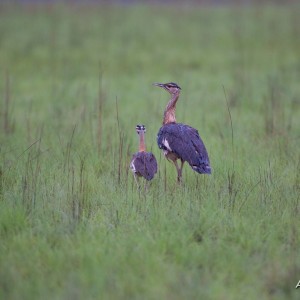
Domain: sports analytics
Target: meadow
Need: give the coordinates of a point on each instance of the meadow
(75, 81)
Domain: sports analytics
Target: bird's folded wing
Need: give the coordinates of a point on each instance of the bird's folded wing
(185, 141)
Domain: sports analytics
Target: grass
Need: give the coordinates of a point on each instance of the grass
(75, 82)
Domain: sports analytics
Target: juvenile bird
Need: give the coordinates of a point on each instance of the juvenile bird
(143, 164)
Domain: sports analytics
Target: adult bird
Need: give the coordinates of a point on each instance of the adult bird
(143, 164)
(180, 141)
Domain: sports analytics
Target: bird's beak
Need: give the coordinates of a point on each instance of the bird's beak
(158, 84)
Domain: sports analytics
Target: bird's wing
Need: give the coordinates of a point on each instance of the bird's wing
(146, 164)
(152, 165)
(186, 143)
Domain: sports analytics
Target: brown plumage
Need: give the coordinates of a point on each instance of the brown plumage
(143, 164)
(180, 141)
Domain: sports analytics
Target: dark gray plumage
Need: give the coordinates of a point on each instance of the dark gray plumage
(144, 164)
(184, 141)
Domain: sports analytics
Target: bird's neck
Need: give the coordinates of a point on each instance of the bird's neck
(170, 111)
(142, 146)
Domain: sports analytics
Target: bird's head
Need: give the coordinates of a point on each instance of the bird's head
(140, 128)
(171, 87)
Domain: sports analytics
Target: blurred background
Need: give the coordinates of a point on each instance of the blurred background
(75, 79)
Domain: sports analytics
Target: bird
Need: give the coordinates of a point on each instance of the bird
(143, 164)
(180, 141)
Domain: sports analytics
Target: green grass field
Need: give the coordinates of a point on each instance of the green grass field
(75, 81)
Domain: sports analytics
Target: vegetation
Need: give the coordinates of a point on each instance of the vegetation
(75, 81)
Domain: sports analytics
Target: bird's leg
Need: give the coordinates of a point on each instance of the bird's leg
(178, 171)
(136, 181)
(146, 186)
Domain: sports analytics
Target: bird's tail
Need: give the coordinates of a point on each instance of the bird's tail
(202, 169)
